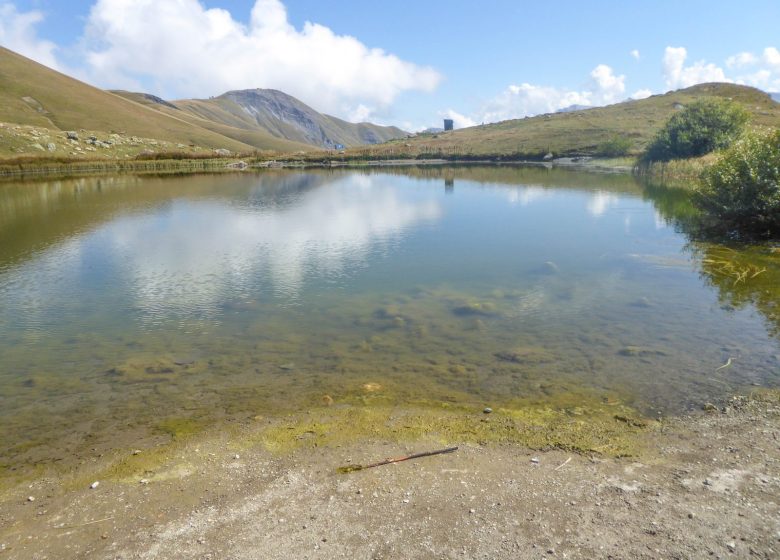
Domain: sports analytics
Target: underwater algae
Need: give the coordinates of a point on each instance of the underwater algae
(577, 422)
(587, 425)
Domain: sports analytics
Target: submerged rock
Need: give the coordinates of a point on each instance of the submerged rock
(159, 369)
(641, 302)
(184, 362)
(392, 315)
(526, 355)
(387, 312)
(635, 422)
(144, 369)
(640, 351)
(484, 309)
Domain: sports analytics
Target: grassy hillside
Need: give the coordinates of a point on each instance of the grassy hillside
(32, 94)
(573, 133)
(209, 116)
(287, 117)
(271, 117)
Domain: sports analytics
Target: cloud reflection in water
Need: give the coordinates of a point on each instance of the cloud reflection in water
(194, 255)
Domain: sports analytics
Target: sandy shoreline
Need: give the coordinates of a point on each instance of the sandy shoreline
(706, 486)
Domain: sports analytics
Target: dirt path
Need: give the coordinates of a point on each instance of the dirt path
(708, 487)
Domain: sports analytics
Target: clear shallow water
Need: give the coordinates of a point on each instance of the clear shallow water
(128, 304)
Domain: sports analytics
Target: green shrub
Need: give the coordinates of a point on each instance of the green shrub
(703, 126)
(740, 192)
(614, 147)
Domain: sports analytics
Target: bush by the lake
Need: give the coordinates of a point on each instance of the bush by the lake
(699, 128)
(740, 193)
(614, 147)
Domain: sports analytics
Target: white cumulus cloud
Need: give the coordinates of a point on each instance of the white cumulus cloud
(528, 99)
(678, 75)
(635, 54)
(188, 50)
(608, 87)
(740, 60)
(642, 94)
(761, 70)
(771, 57)
(17, 32)
(525, 99)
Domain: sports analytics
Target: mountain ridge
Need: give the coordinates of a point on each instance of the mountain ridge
(273, 112)
(52, 103)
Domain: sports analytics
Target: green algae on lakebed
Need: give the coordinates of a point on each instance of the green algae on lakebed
(574, 422)
(180, 428)
(590, 427)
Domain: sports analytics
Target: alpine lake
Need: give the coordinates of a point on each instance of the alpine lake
(323, 305)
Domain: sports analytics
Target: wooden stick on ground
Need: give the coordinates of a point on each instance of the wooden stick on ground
(353, 468)
(85, 524)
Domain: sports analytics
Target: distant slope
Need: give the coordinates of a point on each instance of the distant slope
(578, 132)
(256, 137)
(775, 95)
(32, 94)
(284, 116)
(267, 115)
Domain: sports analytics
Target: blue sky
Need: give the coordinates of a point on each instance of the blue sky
(474, 61)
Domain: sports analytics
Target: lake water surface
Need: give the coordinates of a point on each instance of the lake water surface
(130, 303)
